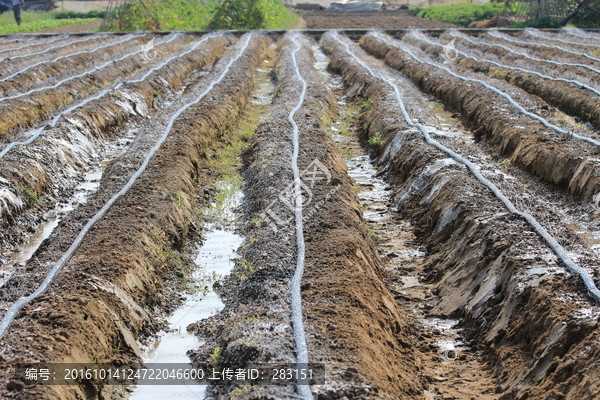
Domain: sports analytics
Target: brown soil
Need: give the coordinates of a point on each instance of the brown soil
(570, 98)
(477, 258)
(554, 159)
(395, 20)
(54, 178)
(447, 249)
(22, 113)
(42, 74)
(113, 279)
(82, 6)
(342, 264)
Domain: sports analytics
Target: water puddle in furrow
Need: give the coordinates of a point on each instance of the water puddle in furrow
(214, 259)
(395, 240)
(89, 185)
(374, 194)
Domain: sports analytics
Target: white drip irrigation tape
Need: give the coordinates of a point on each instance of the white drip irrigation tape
(23, 39)
(53, 48)
(296, 297)
(22, 302)
(127, 38)
(421, 37)
(31, 44)
(579, 33)
(97, 68)
(519, 53)
(536, 33)
(37, 132)
(506, 38)
(539, 229)
(508, 98)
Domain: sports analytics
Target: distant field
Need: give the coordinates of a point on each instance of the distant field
(82, 6)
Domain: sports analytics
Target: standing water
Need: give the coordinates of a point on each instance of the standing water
(213, 260)
(83, 191)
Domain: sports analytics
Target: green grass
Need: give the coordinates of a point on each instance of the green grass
(36, 21)
(462, 14)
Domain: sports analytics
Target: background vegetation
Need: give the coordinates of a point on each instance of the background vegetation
(196, 15)
(39, 20)
(461, 14)
(161, 15)
(464, 14)
(78, 14)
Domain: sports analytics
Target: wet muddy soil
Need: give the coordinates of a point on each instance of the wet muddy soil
(419, 281)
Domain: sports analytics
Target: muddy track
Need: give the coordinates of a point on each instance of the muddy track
(421, 230)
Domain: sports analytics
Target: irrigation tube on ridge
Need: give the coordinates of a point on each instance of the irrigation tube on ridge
(518, 106)
(128, 37)
(19, 304)
(539, 229)
(579, 33)
(30, 44)
(541, 35)
(57, 84)
(37, 132)
(419, 36)
(296, 297)
(512, 51)
(53, 48)
(546, 46)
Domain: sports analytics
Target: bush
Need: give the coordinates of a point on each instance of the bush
(165, 15)
(253, 14)
(199, 15)
(415, 10)
(462, 14)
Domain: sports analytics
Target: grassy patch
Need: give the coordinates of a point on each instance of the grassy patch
(376, 139)
(37, 21)
(462, 14)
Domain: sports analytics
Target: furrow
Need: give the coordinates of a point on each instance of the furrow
(120, 303)
(27, 109)
(526, 143)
